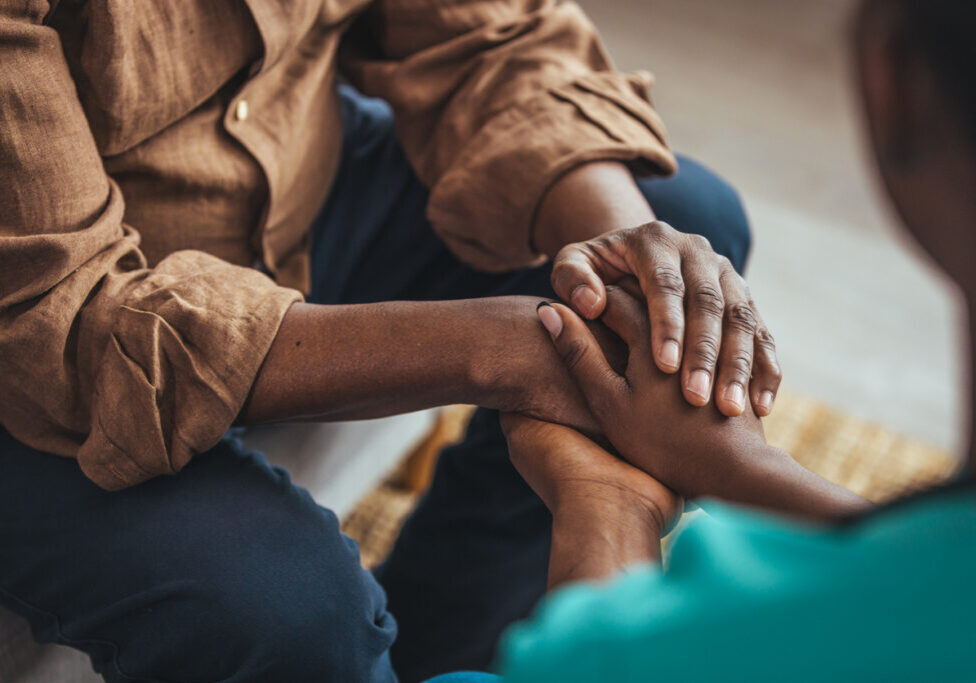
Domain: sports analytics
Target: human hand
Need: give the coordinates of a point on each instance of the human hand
(702, 316)
(642, 412)
(516, 368)
(606, 514)
(693, 451)
(567, 469)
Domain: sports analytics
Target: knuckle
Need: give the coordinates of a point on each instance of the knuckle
(765, 340)
(659, 228)
(706, 350)
(669, 281)
(658, 236)
(708, 299)
(741, 317)
(567, 252)
(698, 242)
(617, 239)
(562, 270)
(740, 365)
(665, 327)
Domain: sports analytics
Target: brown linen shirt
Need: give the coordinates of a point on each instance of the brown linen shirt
(152, 153)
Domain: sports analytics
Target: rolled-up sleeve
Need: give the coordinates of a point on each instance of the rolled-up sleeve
(130, 369)
(495, 100)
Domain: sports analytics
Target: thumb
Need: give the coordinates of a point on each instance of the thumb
(583, 357)
(575, 279)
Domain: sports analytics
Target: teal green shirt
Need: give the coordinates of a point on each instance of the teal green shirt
(751, 597)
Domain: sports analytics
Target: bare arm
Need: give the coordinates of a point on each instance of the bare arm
(371, 360)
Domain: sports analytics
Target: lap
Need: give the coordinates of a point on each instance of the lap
(224, 572)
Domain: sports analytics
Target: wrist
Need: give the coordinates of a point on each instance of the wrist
(591, 543)
(512, 366)
(501, 351)
(586, 202)
(596, 508)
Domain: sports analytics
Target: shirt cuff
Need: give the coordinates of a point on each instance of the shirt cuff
(181, 350)
(484, 205)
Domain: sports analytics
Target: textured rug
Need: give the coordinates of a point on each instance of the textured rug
(867, 458)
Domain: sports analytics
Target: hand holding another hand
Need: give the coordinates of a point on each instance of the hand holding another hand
(702, 317)
(607, 514)
(567, 469)
(642, 411)
(696, 452)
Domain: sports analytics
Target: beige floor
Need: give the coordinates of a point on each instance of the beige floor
(762, 91)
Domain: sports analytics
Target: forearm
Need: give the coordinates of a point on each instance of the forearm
(586, 202)
(372, 360)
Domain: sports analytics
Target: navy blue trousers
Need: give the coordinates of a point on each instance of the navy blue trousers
(229, 572)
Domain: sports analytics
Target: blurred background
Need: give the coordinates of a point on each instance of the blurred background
(763, 91)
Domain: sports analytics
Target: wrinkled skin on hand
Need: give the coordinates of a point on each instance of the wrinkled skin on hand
(643, 412)
(703, 319)
(565, 468)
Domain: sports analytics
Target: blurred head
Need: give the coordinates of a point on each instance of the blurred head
(917, 66)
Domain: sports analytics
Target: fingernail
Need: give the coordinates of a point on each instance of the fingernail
(550, 319)
(669, 354)
(585, 300)
(766, 401)
(734, 395)
(698, 384)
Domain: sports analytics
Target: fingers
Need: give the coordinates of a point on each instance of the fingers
(701, 317)
(630, 285)
(766, 371)
(627, 317)
(575, 344)
(655, 260)
(575, 279)
(738, 339)
(706, 306)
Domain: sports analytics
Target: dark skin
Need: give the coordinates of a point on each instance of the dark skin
(925, 148)
(608, 512)
(372, 360)
(695, 452)
(584, 485)
(703, 319)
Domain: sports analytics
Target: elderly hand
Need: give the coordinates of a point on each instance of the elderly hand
(641, 410)
(606, 514)
(567, 469)
(703, 319)
(694, 451)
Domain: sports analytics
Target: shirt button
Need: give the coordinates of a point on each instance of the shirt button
(241, 111)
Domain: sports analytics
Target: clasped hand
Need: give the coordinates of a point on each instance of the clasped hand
(667, 445)
(702, 319)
